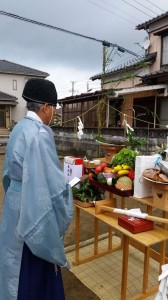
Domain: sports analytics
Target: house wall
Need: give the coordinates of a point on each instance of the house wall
(127, 105)
(155, 42)
(116, 81)
(6, 86)
(91, 113)
(155, 46)
(159, 24)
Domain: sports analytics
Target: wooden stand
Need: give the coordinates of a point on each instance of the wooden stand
(110, 151)
(83, 204)
(144, 239)
(141, 241)
(160, 195)
(113, 190)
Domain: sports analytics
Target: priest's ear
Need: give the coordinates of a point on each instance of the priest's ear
(44, 108)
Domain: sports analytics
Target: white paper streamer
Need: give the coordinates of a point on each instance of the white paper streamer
(135, 212)
(126, 125)
(80, 128)
(163, 287)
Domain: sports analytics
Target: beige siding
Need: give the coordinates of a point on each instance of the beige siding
(6, 86)
(155, 46)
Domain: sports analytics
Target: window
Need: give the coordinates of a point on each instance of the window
(163, 112)
(114, 113)
(144, 112)
(165, 49)
(14, 84)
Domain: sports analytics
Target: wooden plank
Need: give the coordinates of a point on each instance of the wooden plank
(148, 293)
(109, 188)
(96, 232)
(77, 222)
(99, 204)
(92, 257)
(146, 269)
(148, 217)
(124, 267)
(83, 204)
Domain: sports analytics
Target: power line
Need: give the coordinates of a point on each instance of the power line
(119, 9)
(145, 6)
(47, 25)
(156, 6)
(136, 8)
(113, 13)
(104, 43)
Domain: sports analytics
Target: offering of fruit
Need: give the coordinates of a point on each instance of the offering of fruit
(124, 157)
(120, 176)
(124, 183)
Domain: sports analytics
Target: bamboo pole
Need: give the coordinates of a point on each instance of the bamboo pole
(148, 217)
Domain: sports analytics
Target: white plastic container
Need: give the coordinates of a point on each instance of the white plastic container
(142, 188)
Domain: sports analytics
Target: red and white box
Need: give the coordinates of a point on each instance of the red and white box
(73, 167)
(135, 225)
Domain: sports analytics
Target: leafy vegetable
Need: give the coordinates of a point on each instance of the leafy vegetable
(134, 141)
(125, 156)
(87, 193)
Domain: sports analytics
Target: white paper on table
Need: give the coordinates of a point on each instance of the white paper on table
(135, 212)
(74, 181)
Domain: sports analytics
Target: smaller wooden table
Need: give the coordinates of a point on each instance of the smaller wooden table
(146, 239)
(111, 150)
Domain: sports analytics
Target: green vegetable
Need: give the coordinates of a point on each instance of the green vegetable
(124, 156)
(114, 180)
(87, 193)
(135, 142)
(101, 178)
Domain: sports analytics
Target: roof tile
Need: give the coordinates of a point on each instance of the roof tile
(10, 67)
(4, 96)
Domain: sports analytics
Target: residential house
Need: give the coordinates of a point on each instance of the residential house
(142, 83)
(84, 104)
(136, 90)
(12, 80)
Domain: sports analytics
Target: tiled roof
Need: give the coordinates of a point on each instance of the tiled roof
(13, 68)
(155, 74)
(146, 24)
(83, 96)
(134, 62)
(4, 96)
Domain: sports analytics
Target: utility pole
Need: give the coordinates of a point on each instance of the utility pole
(87, 86)
(72, 90)
(105, 45)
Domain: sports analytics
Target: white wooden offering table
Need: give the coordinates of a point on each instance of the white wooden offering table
(141, 241)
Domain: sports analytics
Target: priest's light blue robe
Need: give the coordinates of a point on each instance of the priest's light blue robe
(37, 207)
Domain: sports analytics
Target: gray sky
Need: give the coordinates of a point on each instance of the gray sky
(66, 57)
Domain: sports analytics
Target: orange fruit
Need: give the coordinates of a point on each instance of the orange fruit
(103, 164)
(90, 175)
(98, 169)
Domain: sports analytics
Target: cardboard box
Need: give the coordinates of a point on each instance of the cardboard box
(135, 225)
(142, 188)
(73, 167)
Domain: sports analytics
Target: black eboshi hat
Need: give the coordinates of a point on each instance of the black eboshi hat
(40, 91)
